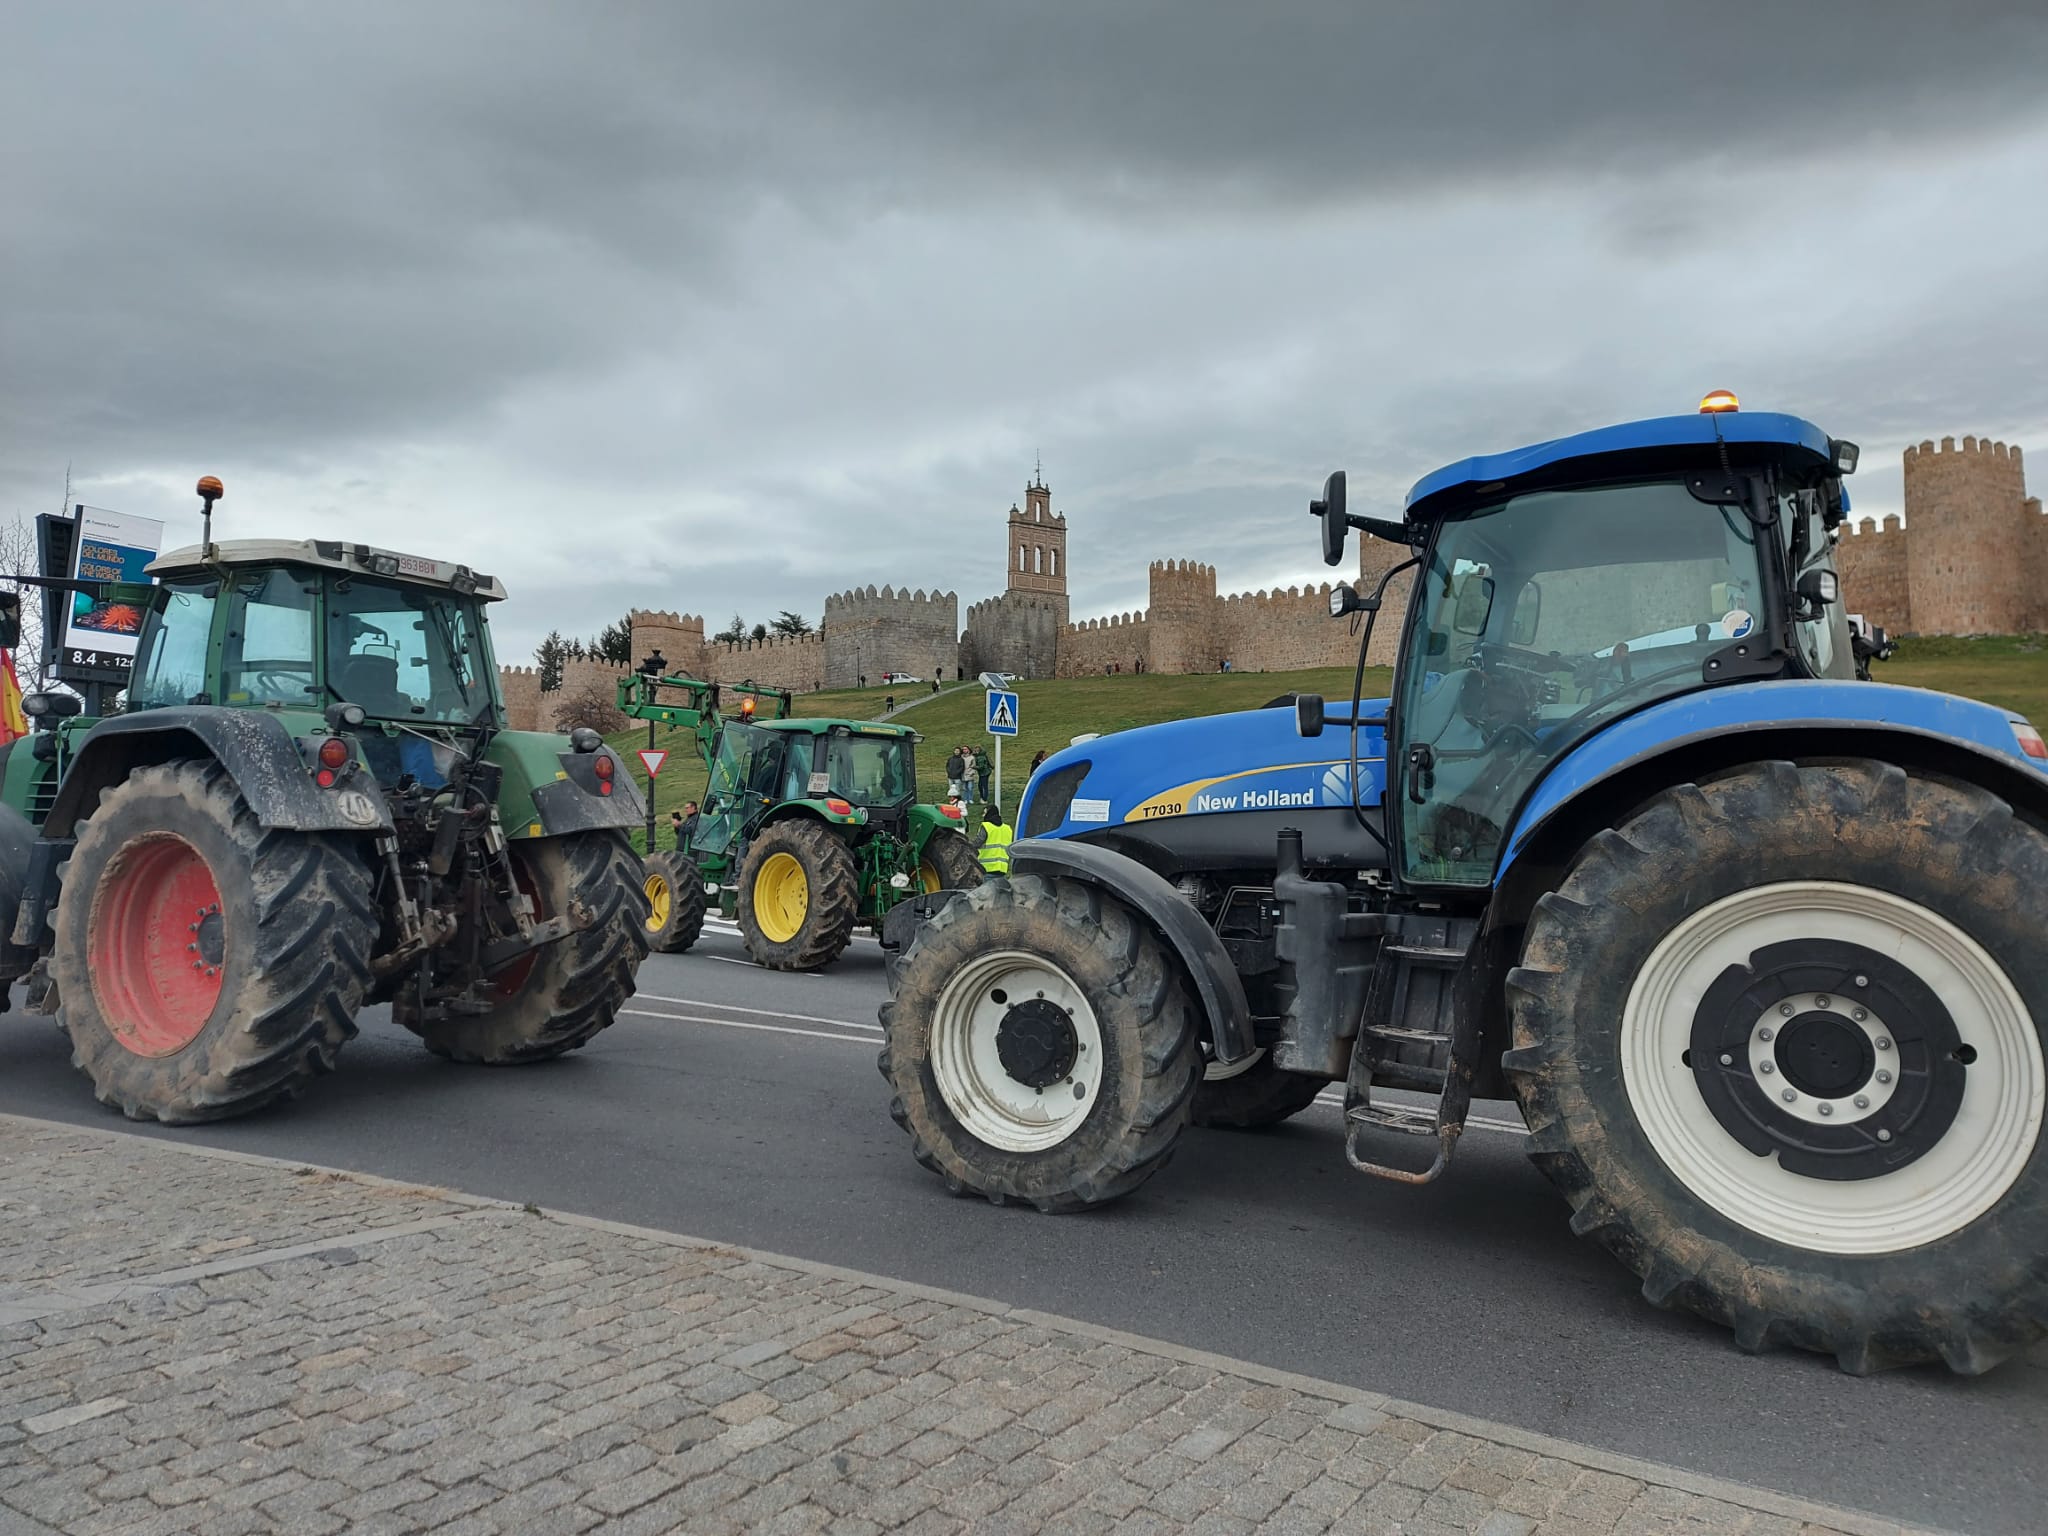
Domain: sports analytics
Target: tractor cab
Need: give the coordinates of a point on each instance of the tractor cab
(1563, 586)
(307, 625)
(854, 771)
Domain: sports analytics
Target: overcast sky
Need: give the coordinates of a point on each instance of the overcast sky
(728, 307)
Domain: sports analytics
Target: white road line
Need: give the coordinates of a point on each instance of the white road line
(765, 1013)
(773, 1029)
(750, 965)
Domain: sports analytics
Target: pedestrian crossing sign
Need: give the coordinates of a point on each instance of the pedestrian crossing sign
(1002, 713)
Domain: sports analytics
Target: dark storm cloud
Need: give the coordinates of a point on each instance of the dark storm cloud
(825, 275)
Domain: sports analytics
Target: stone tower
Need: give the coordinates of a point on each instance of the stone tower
(1038, 543)
(1966, 561)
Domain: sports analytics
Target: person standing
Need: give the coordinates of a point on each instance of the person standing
(995, 842)
(984, 765)
(1036, 758)
(956, 775)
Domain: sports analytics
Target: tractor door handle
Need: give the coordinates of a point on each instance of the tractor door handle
(1421, 772)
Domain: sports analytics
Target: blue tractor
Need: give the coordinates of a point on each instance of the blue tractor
(1756, 945)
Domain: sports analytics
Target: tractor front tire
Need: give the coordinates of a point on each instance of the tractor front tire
(1247, 1095)
(675, 902)
(1779, 1041)
(556, 998)
(799, 896)
(206, 965)
(1041, 1046)
(948, 863)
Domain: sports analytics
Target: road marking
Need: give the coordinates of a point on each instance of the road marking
(754, 966)
(773, 1029)
(727, 925)
(764, 1013)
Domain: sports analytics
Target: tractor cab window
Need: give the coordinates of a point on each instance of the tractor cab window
(406, 653)
(267, 651)
(170, 659)
(1539, 620)
(1822, 634)
(870, 770)
(739, 757)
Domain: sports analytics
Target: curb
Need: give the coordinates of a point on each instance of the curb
(1342, 1398)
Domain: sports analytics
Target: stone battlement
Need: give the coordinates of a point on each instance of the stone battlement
(1971, 445)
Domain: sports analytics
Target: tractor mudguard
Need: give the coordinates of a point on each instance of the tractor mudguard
(550, 792)
(256, 747)
(1201, 953)
(1746, 722)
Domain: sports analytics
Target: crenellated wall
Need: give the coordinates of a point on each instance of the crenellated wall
(1018, 632)
(520, 687)
(795, 662)
(869, 632)
(1971, 557)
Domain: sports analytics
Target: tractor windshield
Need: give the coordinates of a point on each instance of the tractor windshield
(1540, 619)
(870, 770)
(406, 653)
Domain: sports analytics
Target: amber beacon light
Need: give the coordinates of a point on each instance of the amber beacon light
(1717, 400)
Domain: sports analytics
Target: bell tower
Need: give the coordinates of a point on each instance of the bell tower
(1037, 558)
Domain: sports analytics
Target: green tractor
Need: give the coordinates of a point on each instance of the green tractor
(308, 805)
(809, 828)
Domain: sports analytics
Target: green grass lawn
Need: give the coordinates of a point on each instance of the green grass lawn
(2010, 671)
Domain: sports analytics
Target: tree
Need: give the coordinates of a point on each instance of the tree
(614, 643)
(758, 632)
(734, 632)
(787, 623)
(550, 654)
(595, 704)
(18, 558)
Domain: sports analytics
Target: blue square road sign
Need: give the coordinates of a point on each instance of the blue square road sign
(1002, 713)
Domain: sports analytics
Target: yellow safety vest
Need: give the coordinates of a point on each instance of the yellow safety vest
(995, 852)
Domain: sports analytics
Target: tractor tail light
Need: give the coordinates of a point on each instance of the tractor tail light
(839, 807)
(603, 769)
(333, 753)
(2030, 740)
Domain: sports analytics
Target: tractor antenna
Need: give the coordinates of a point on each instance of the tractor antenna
(209, 492)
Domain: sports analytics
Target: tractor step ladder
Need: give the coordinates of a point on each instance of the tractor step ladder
(1446, 1120)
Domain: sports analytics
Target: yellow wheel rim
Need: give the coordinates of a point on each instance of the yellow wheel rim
(928, 877)
(658, 902)
(781, 897)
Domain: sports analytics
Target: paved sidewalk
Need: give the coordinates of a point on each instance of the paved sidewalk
(194, 1340)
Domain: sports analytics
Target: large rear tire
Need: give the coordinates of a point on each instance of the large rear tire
(1041, 1046)
(799, 896)
(1779, 1040)
(206, 966)
(555, 999)
(675, 902)
(949, 863)
(1247, 1095)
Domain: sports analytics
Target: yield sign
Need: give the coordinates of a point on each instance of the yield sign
(651, 758)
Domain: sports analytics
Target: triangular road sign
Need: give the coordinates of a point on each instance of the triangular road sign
(651, 758)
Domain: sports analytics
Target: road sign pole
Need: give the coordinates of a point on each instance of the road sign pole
(650, 789)
(999, 773)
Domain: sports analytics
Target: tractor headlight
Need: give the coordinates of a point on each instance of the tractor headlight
(2030, 740)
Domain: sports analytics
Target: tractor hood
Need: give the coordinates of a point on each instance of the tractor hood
(1212, 765)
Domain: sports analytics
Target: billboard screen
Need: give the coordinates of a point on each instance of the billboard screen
(100, 632)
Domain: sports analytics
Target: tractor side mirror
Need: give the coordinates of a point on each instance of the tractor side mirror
(1819, 588)
(1474, 605)
(10, 620)
(1331, 510)
(1344, 598)
(1528, 611)
(1308, 714)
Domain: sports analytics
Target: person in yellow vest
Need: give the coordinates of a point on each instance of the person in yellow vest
(995, 842)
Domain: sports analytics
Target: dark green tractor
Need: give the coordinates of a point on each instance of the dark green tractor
(809, 828)
(309, 804)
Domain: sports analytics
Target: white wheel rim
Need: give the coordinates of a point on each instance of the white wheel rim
(989, 1103)
(1214, 1071)
(1949, 1186)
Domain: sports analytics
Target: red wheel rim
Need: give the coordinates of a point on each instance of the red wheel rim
(511, 981)
(157, 945)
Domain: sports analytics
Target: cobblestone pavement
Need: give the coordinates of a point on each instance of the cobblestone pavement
(192, 1340)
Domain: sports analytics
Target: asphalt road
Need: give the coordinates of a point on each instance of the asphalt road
(744, 1106)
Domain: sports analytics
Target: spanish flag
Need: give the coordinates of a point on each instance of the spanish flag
(13, 723)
